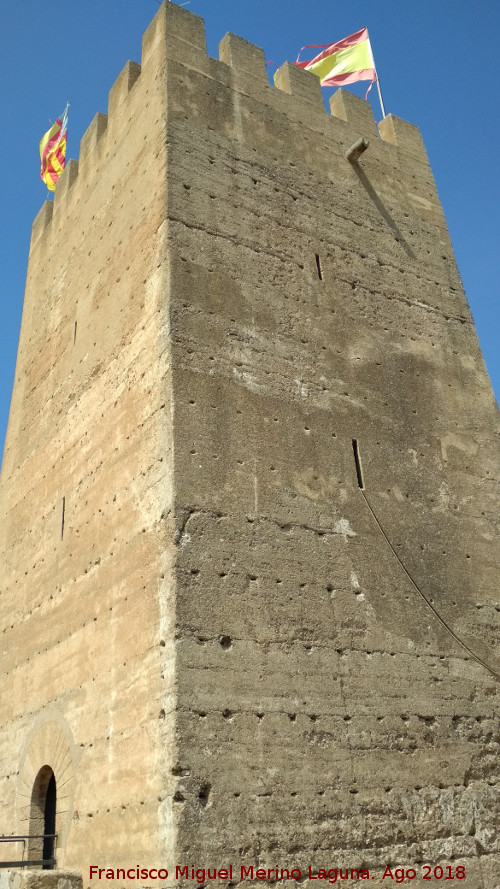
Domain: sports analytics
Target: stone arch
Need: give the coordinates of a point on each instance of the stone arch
(49, 751)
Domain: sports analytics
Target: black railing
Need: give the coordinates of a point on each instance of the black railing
(46, 863)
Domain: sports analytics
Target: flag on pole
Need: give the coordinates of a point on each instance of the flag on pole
(53, 151)
(347, 61)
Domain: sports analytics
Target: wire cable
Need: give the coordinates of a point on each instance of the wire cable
(424, 597)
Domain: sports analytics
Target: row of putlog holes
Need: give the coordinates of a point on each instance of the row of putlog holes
(357, 462)
(359, 473)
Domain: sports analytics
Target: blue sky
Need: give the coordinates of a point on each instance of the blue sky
(437, 65)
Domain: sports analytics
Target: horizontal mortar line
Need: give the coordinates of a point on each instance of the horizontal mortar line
(287, 189)
(85, 386)
(229, 374)
(329, 714)
(347, 648)
(283, 386)
(259, 212)
(387, 692)
(356, 284)
(289, 385)
(428, 308)
(250, 341)
(417, 303)
(36, 711)
(106, 405)
(68, 637)
(235, 239)
(126, 732)
(273, 91)
(368, 219)
(410, 279)
(301, 231)
(252, 205)
(347, 248)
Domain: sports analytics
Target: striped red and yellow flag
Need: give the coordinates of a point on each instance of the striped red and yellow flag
(53, 151)
(347, 61)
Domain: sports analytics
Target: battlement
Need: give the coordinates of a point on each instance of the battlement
(173, 46)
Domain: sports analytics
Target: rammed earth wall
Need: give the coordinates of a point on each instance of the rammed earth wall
(249, 519)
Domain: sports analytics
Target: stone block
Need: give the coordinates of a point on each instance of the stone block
(65, 182)
(243, 56)
(355, 111)
(40, 879)
(118, 93)
(92, 136)
(299, 83)
(41, 221)
(171, 25)
(405, 135)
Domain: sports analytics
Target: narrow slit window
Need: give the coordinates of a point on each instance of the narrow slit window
(74, 333)
(318, 266)
(357, 461)
(62, 516)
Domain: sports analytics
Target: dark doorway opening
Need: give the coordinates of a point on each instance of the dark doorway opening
(42, 843)
(49, 822)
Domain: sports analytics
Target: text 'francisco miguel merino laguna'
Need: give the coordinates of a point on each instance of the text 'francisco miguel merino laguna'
(200, 875)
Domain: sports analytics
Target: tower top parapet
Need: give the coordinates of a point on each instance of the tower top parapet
(177, 36)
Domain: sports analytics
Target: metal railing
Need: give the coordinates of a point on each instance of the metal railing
(47, 863)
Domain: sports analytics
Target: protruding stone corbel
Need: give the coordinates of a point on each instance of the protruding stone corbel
(356, 150)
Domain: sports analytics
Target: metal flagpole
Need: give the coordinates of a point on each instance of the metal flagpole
(380, 95)
(376, 77)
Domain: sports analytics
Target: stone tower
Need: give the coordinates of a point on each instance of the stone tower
(248, 528)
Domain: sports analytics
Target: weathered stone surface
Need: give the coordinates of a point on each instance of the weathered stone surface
(39, 879)
(249, 516)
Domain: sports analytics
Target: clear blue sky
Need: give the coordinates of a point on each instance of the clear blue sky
(437, 63)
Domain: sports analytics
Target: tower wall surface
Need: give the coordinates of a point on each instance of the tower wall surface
(85, 606)
(249, 374)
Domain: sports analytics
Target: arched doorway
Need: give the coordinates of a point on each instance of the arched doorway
(49, 822)
(43, 817)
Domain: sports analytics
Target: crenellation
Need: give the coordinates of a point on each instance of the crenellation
(241, 56)
(91, 137)
(41, 221)
(405, 136)
(355, 111)
(244, 58)
(120, 90)
(64, 185)
(177, 33)
(300, 84)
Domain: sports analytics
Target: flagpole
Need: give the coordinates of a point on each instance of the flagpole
(376, 76)
(380, 95)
